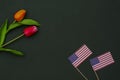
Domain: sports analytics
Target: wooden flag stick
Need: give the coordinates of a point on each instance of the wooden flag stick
(81, 74)
(96, 75)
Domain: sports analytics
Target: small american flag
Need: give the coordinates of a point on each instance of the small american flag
(80, 55)
(101, 61)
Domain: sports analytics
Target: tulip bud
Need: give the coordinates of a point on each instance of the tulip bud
(19, 15)
(29, 31)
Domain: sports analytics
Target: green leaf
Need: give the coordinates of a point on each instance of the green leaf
(12, 51)
(29, 22)
(3, 30)
(23, 22)
(13, 25)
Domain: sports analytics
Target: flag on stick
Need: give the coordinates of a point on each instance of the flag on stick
(80, 55)
(102, 61)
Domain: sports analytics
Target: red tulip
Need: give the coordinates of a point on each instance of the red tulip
(29, 31)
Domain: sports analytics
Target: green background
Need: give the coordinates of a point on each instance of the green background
(65, 26)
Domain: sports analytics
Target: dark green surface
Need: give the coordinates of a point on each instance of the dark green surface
(65, 26)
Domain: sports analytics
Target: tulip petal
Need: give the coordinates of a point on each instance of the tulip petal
(19, 15)
(29, 31)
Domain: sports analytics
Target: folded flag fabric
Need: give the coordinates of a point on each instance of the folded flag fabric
(102, 61)
(80, 55)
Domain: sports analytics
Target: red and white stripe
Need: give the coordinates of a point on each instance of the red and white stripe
(104, 60)
(82, 53)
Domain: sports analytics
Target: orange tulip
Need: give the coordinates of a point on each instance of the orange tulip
(19, 15)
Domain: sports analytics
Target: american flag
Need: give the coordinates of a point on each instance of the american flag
(102, 61)
(80, 55)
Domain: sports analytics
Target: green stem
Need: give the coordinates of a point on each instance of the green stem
(14, 21)
(9, 26)
(12, 40)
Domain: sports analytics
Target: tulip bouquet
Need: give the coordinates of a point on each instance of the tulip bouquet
(18, 21)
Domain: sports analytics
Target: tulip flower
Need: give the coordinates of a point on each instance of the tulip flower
(28, 31)
(18, 21)
(19, 15)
